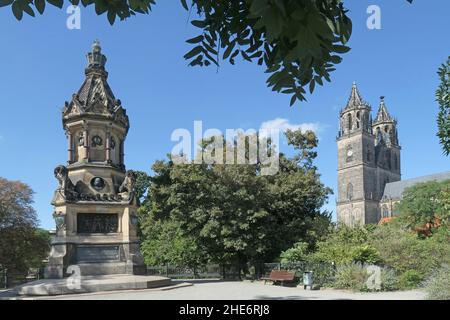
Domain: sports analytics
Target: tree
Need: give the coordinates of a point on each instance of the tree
(424, 203)
(22, 245)
(299, 42)
(443, 99)
(232, 214)
(142, 184)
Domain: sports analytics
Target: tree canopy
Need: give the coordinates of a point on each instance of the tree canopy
(443, 99)
(299, 42)
(22, 244)
(231, 213)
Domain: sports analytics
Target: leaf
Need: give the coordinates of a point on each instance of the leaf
(293, 99)
(312, 84)
(4, 3)
(198, 23)
(56, 3)
(26, 8)
(40, 5)
(258, 7)
(228, 50)
(193, 52)
(111, 16)
(195, 40)
(17, 10)
(184, 4)
(341, 49)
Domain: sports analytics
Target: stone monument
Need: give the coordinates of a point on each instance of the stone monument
(95, 204)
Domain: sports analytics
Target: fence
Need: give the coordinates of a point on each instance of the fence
(323, 272)
(12, 279)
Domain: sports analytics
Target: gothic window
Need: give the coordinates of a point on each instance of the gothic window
(350, 191)
(369, 154)
(385, 211)
(349, 122)
(395, 162)
(358, 117)
(379, 136)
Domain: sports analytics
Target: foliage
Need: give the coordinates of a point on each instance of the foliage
(22, 245)
(389, 281)
(352, 276)
(295, 254)
(340, 244)
(438, 286)
(410, 279)
(403, 250)
(232, 213)
(443, 99)
(142, 184)
(366, 254)
(425, 202)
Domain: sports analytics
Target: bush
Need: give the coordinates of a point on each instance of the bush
(410, 279)
(389, 281)
(295, 254)
(438, 286)
(352, 276)
(366, 254)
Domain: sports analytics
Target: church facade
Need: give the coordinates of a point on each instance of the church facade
(368, 160)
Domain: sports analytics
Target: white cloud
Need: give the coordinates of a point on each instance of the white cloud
(283, 125)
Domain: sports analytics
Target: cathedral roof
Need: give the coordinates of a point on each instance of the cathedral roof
(95, 97)
(394, 190)
(383, 114)
(355, 100)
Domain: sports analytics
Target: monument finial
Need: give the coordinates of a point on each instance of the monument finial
(95, 58)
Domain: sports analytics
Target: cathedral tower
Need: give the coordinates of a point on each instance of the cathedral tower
(368, 158)
(95, 203)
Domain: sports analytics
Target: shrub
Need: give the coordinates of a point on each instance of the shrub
(410, 279)
(295, 254)
(352, 276)
(389, 280)
(438, 286)
(366, 254)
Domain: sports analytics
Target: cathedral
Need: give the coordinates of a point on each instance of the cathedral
(368, 160)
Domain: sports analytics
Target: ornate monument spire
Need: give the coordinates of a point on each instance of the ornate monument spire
(95, 96)
(95, 58)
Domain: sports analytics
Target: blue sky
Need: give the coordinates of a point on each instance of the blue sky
(42, 65)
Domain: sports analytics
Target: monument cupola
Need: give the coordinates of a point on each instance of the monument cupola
(95, 122)
(355, 117)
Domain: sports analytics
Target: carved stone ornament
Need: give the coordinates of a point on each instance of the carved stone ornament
(127, 188)
(66, 188)
(97, 183)
(97, 141)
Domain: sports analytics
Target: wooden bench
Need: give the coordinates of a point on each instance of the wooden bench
(281, 276)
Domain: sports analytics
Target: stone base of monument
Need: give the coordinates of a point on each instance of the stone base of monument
(89, 284)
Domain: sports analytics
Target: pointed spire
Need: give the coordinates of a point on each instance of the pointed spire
(355, 99)
(383, 114)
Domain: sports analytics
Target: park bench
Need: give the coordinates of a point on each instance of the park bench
(281, 276)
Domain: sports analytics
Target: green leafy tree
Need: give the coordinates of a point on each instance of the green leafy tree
(443, 99)
(299, 42)
(423, 203)
(142, 184)
(234, 214)
(22, 244)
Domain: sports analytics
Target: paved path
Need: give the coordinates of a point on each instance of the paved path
(234, 290)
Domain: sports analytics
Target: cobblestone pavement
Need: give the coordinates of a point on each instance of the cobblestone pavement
(234, 290)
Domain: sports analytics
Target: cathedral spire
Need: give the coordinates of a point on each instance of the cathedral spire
(383, 114)
(355, 100)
